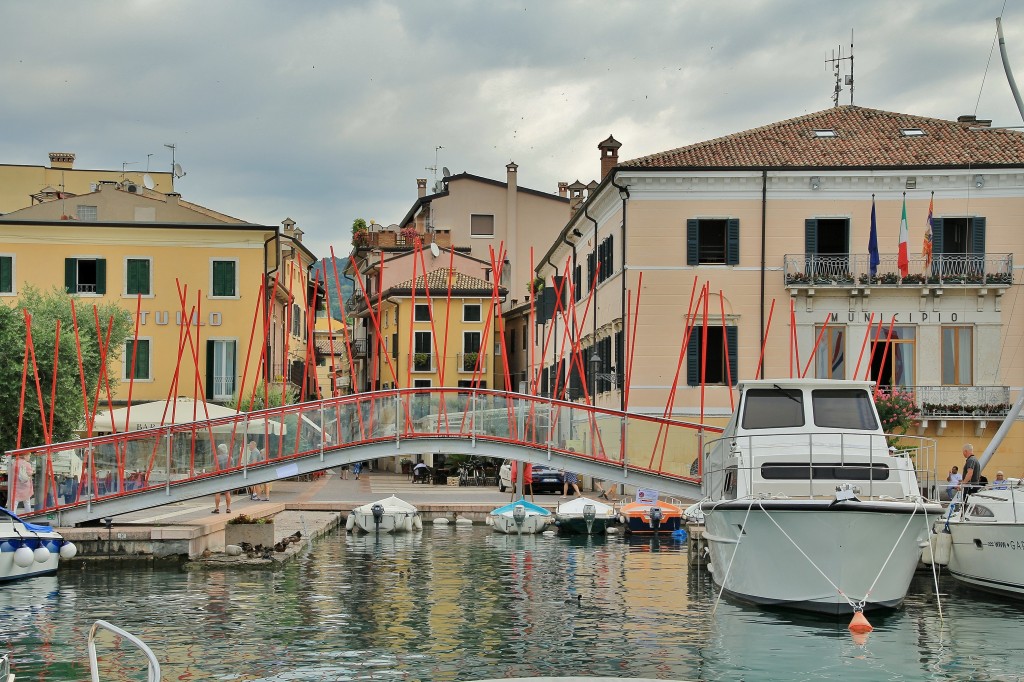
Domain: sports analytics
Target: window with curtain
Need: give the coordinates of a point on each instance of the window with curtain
(957, 356)
(830, 358)
(894, 357)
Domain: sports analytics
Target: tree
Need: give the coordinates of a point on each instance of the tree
(45, 309)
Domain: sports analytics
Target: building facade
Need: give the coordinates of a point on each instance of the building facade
(776, 223)
(193, 275)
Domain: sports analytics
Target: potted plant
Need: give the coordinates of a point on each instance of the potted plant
(406, 465)
(421, 362)
(535, 286)
(469, 361)
(255, 531)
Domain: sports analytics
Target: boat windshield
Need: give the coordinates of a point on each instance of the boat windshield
(773, 408)
(847, 408)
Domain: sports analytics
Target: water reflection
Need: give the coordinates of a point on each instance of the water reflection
(458, 604)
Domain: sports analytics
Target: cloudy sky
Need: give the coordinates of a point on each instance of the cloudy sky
(329, 111)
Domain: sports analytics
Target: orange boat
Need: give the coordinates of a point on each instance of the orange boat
(651, 517)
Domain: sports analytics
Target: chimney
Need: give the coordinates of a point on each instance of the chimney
(172, 198)
(288, 224)
(421, 187)
(575, 196)
(63, 160)
(969, 119)
(609, 155)
(563, 189)
(983, 123)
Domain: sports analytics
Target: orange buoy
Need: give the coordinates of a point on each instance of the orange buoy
(860, 624)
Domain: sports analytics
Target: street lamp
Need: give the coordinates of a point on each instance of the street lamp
(595, 367)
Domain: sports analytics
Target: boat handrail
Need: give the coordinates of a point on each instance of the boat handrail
(154, 665)
(818, 449)
(5, 669)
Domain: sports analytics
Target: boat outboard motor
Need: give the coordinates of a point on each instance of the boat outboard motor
(656, 516)
(378, 515)
(519, 516)
(589, 514)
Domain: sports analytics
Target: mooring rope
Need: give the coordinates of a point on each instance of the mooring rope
(892, 551)
(733, 558)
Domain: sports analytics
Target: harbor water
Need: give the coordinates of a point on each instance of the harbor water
(464, 603)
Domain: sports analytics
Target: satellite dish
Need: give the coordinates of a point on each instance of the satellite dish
(445, 172)
(147, 181)
(434, 251)
(178, 172)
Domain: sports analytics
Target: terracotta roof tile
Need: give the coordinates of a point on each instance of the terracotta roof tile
(864, 138)
(437, 280)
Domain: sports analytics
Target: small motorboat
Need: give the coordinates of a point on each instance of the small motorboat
(585, 516)
(520, 517)
(987, 536)
(385, 516)
(648, 517)
(29, 549)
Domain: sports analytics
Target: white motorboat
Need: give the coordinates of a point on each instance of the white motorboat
(520, 517)
(988, 539)
(807, 505)
(585, 516)
(29, 549)
(385, 516)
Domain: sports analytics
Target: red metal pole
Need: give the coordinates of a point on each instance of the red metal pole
(878, 334)
(35, 371)
(81, 373)
(867, 335)
(764, 343)
(815, 349)
(704, 349)
(885, 354)
(135, 351)
(725, 349)
(53, 378)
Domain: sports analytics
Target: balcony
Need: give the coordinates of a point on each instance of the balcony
(358, 348)
(852, 271)
(467, 362)
(980, 404)
(423, 363)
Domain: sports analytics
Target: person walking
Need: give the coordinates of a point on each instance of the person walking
(357, 467)
(570, 479)
(21, 489)
(223, 462)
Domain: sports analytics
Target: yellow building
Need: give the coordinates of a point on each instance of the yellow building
(24, 185)
(138, 249)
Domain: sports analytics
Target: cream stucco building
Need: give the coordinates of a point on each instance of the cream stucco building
(781, 216)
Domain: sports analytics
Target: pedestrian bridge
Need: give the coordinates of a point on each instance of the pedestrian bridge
(89, 479)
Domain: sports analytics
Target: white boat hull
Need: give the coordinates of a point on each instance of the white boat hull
(988, 542)
(397, 516)
(531, 524)
(846, 546)
(9, 544)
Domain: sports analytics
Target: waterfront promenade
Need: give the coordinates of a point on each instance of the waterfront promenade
(312, 507)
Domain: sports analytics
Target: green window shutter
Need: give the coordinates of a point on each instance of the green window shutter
(811, 236)
(693, 358)
(692, 245)
(223, 278)
(138, 277)
(6, 274)
(142, 361)
(731, 339)
(210, 346)
(101, 275)
(936, 237)
(978, 237)
(71, 275)
(732, 242)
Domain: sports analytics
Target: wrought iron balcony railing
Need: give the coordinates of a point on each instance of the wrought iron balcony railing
(853, 270)
(979, 402)
(467, 362)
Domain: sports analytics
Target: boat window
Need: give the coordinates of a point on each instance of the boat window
(847, 408)
(979, 511)
(830, 471)
(773, 408)
(730, 483)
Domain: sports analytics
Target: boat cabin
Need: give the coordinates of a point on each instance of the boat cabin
(811, 438)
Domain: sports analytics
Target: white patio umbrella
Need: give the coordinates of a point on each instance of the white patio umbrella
(182, 411)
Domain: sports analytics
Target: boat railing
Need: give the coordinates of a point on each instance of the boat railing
(812, 465)
(154, 665)
(5, 669)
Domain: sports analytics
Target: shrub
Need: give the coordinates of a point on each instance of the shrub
(897, 409)
(243, 519)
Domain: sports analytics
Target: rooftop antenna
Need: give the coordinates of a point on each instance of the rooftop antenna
(148, 157)
(835, 64)
(176, 171)
(124, 167)
(433, 169)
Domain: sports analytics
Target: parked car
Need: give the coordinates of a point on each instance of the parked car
(545, 479)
